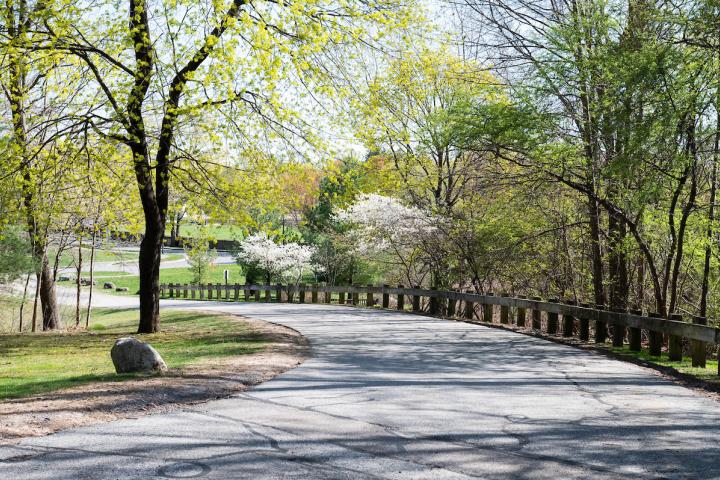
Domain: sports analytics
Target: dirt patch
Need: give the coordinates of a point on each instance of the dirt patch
(106, 401)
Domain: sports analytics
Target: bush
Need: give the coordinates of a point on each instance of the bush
(15, 258)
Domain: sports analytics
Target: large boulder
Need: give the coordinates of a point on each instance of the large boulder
(109, 286)
(122, 289)
(131, 355)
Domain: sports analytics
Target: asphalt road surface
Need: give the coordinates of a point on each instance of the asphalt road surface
(398, 396)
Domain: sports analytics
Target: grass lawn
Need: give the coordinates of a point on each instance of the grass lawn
(35, 363)
(167, 275)
(217, 231)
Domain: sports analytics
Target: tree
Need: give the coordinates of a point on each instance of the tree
(261, 256)
(26, 76)
(382, 225)
(15, 257)
(621, 102)
(199, 257)
(223, 62)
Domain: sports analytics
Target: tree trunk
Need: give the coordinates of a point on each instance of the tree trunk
(38, 280)
(48, 298)
(686, 211)
(595, 254)
(24, 299)
(78, 283)
(617, 264)
(711, 219)
(92, 278)
(173, 231)
(150, 250)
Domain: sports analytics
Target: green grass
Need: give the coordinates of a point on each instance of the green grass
(31, 364)
(168, 275)
(217, 231)
(708, 374)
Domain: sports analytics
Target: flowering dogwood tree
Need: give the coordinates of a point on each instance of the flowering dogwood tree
(288, 261)
(381, 225)
(381, 222)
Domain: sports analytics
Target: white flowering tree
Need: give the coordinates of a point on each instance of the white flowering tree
(261, 256)
(381, 225)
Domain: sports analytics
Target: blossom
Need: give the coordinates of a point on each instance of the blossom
(290, 260)
(380, 222)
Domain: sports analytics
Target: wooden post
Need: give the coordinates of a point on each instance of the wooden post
(328, 296)
(504, 311)
(227, 291)
(521, 314)
(656, 339)
(469, 312)
(600, 327)
(355, 295)
(301, 293)
(236, 292)
(488, 310)
(268, 293)
(201, 288)
(635, 334)
(219, 290)
(341, 298)
(568, 321)
(210, 290)
(416, 301)
(257, 295)
(386, 298)
(314, 293)
(433, 310)
(246, 292)
(278, 293)
(369, 299)
(552, 319)
(172, 292)
(698, 347)
(618, 333)
(675, 342)
(537, 316)
(192, 291)
(401, 299)
(185, 290)
(290, 294)
(451, 304)
(584, 333)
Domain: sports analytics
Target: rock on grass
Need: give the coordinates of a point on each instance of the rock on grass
(131, 355)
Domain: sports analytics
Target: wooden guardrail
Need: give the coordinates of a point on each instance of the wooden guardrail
(558, 318)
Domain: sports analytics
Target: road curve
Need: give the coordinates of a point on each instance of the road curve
(398, 396)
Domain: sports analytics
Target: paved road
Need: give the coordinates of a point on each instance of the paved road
(398, 396)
